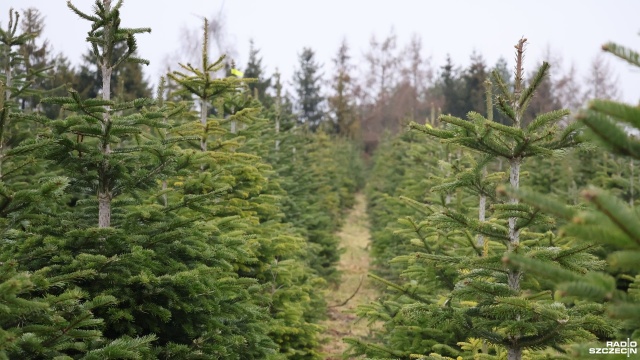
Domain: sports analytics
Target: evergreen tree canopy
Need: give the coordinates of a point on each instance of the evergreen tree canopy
(306, 81)
(255, 70)
(460, 276)
(341, 103)
(607, 222)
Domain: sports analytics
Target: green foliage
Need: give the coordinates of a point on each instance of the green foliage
(341, 103)
(610, 218)
(452, 283)
(254, 70)
(55, 325)
(309, 101)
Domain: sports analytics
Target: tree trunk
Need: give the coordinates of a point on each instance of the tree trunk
(514, 234)
(7, 71)
(165, 201)
(514, 351)
(104, 193)
(481, 217)
(203, 120)
(278, 129)
(514, 354)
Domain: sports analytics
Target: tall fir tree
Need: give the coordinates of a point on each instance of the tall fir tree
(451, 89)
(44, 315)
(255, 70)
(474, 78)
(341, 104)
(307, 83)
(36, 54)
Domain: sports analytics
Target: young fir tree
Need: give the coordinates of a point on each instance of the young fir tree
(609, 221)
(167, 277)
(232, 136)
(494, 301)
(43, 315)
(310, 102)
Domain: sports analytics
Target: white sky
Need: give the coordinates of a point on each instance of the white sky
(571, 29)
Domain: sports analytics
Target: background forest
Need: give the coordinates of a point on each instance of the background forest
(197, 219)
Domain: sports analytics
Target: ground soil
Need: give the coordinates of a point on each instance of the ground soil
(354, 265)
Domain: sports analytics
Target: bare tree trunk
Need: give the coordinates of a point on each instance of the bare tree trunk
(514, 234)
(204, 109)
(278, 121)
(277, 132)
(234, 124)
(482, 213)
(104, 191)
(514, 351)
(447, 199)
(233, 127)
(514, 354)
(165, 200)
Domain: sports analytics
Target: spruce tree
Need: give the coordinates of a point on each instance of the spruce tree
(341, 106)
(255, 70)
(452, 89)
(36, 55)
(474, 78)
(309, 100)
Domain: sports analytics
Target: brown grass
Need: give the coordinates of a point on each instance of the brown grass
(354, 265)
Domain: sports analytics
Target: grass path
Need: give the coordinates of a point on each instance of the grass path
(354, 265)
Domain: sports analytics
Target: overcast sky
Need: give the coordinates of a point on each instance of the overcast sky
(572, 29)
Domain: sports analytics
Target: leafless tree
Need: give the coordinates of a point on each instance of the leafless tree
(601, 82)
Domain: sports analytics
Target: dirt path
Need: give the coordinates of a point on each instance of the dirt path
(354, 265)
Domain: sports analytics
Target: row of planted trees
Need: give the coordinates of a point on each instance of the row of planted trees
(196, 225)
(507, 241)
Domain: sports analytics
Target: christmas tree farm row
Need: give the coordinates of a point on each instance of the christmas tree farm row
(514, 241)
(196, 225)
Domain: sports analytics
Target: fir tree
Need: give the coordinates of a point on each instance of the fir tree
(255, 70)
(515, 143)
(502, 68)
(474, 78)
(609, 221)
(44, 315)
(341, 102)
(124, 242)
(60, 76)
(309, 101)
(451, 89)
(488, 300)
(36, 56)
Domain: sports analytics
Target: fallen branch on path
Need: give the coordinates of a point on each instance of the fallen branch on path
(350, 297)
